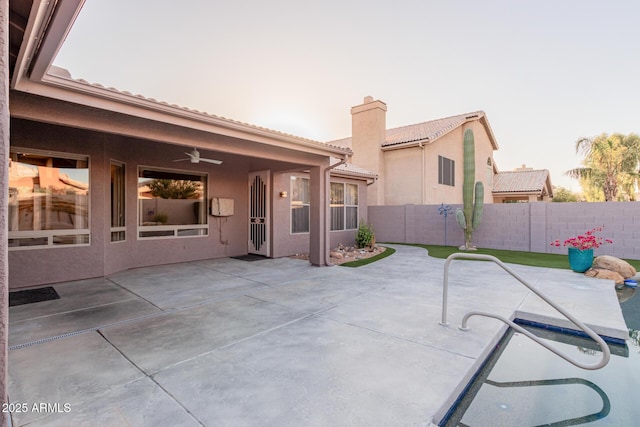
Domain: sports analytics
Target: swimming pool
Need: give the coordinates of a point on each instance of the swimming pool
(524, 384)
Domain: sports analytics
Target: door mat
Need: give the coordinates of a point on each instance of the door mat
(30, 296)
(250, 257)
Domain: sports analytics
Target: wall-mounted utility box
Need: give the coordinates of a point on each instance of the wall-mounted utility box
(221, 207)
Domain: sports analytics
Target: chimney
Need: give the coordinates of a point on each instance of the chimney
(368, 133)
(523, 168)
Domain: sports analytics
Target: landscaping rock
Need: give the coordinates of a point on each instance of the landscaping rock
(608, 262)
(600, 273)
(336, 255)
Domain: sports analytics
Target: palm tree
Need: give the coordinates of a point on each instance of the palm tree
(175, 188)
(611, 163)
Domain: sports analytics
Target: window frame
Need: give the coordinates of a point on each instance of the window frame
(299, 204)
(121, 229)
(344, 206)
(51, 234)
(451, 164)
(177, 231)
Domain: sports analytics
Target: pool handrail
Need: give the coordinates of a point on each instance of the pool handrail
(606, 352)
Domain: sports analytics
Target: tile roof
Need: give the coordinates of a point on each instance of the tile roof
(64, 74)
(352, 170)
(522, 181)
(427, 131)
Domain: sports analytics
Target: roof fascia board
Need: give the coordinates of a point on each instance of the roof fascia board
(55, 31)
(345, 175)
(48, 25)
(408, 144)
(487, 127)
(137, 106)
(516, 193)
(39, 12)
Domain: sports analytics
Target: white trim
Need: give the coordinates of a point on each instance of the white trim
(344, 205)
(49, 235)
(175, 229)
(291, 232)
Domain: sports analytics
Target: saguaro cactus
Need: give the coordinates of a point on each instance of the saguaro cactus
(469, 217)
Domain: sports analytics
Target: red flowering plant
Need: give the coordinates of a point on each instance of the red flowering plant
(585, 241)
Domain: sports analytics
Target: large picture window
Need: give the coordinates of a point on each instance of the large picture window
(344, 206)
(48, 199)
(300, 203)
(171, 204)
(446, 171)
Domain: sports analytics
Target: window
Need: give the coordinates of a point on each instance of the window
(351, 206)
(300, 201)
(171, 204)
(446, 171)
(344, 206)
(489, 172)
(48, 199)
(117, 202)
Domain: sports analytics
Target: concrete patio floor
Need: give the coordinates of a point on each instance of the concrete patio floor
(275, 342)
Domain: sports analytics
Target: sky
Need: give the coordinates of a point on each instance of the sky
(545, 72)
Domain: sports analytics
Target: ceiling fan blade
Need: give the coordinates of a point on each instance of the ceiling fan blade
(215, 162)
(180, 160)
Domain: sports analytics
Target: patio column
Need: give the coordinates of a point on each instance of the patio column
(319, 216)
(4, 195)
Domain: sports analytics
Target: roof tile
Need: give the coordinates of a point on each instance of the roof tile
(426, 131)
(520, 181)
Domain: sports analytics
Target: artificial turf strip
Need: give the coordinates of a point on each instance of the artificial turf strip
(387, 252)
(535, 259)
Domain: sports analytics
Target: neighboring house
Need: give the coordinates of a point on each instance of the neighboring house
(85, 160)
(522, 185)
(420, 163)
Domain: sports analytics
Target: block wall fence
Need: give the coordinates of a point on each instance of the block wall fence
(529, 227)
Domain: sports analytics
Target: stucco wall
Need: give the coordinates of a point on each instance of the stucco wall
(33, 267)
(287, 243)
(102, 257)
(405, 169)
(403, 176)
(515, 226)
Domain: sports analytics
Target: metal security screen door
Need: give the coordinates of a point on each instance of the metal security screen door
(259, 213)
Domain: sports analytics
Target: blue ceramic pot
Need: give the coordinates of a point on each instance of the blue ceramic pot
(580, 261)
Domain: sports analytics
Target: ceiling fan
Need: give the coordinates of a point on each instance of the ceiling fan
(194, 157)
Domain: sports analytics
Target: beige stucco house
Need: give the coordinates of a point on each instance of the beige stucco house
(420, 163)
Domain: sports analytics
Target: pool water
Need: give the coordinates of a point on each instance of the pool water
(524, 384)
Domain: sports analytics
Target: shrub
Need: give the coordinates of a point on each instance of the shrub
(161, 217)
(365, 237)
